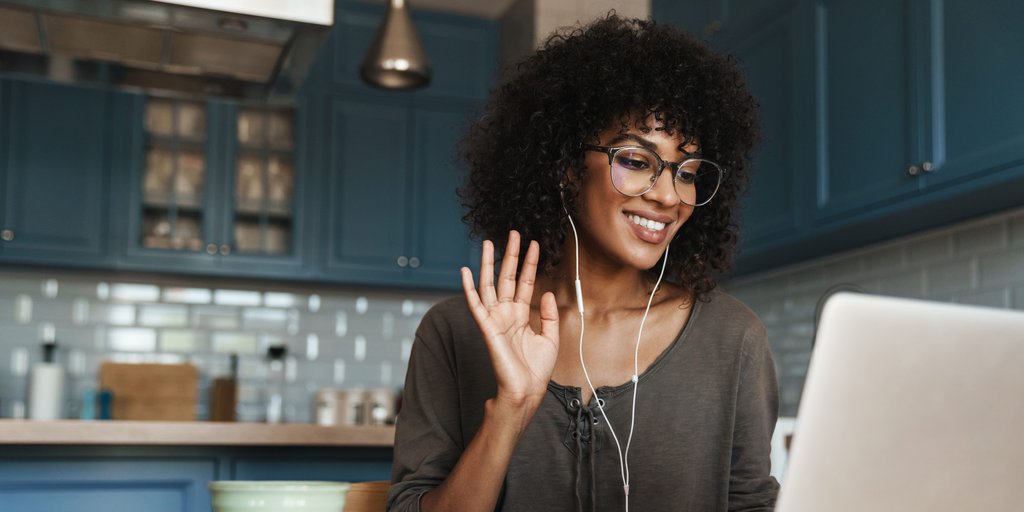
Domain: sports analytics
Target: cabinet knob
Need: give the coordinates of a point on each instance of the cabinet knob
(211, 249)
(7, 235)
(403, 261)
(225, 249)
(916, 170)
(414, 262)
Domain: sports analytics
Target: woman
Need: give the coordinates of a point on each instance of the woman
(579, 378)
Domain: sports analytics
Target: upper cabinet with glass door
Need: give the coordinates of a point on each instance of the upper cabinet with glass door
(264, 182)
(174, 180)
(216, 189)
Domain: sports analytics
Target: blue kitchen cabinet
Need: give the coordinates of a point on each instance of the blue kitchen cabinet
(54, 173)
(977, 108)
(777, 64)
(58, 478)
(198, 217)
(394, 217)
(918, 125)
(51, 483)
(894, 117)
(871, 125)
(368, 188)
(348, 465)
(440, 241)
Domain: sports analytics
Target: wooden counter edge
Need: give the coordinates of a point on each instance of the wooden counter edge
(188, 433)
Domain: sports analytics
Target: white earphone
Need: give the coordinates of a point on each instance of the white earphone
(623, 455)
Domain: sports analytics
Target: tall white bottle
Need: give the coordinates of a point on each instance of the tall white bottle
(46, 389)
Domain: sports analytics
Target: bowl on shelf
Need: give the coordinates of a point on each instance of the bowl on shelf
(277, 495)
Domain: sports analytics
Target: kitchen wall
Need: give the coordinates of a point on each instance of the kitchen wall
(980, 262)
(335, 337)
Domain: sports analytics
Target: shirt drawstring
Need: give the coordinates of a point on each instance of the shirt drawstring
(593, 451)
(585, 424)
(577, 435)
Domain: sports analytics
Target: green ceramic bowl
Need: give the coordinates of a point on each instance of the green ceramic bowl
(266, 496)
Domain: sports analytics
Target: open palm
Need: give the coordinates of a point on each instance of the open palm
(523, 359)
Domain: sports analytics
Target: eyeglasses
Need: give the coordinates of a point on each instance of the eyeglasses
(635, 170)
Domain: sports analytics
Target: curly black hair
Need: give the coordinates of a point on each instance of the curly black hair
(530, 137)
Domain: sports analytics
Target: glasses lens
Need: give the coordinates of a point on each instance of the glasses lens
(633, 170)
(697, 181)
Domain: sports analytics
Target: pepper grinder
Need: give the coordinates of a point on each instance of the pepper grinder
(46, 389)
(275, 383)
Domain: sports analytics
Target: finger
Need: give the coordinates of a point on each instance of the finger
(481, 315)
(549, 317)
(507, 274)
(476, 307)
(487, 294)
(528, 276)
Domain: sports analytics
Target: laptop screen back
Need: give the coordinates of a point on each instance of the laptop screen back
(910, 405)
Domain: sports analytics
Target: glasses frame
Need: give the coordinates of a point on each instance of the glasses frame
(611, 151)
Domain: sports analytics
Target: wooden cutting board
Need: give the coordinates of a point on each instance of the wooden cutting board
(144, 391)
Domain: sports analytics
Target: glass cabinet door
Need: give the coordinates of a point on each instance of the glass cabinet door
(264, 181)
(174, 178)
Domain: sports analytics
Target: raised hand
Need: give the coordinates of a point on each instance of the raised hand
(523, 359)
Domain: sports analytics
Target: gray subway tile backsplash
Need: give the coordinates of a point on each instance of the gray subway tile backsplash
(978, 262)
(946, 278)
(1001, 268)
(215, 317)
(163, 315)
(980, 238)
(929, 249)
(1017, 232)
(188, 295)
(133, 292)
(334, 338)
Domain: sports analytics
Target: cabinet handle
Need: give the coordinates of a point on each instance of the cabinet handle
(225, 249)
(403, 261)
(414, 262)
(926, 166)
(913, 170)
(7, 235)
(211, 249)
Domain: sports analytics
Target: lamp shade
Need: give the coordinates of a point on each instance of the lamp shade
(396, 59)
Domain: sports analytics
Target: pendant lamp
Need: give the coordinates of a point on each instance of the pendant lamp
(396, 59)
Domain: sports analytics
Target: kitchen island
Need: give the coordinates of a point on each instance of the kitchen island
(89, 466)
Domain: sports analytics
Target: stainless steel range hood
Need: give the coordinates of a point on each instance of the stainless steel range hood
(251, 49)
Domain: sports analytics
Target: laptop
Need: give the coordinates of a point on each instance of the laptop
(910, 405)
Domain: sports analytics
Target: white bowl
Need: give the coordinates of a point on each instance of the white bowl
(266, 496)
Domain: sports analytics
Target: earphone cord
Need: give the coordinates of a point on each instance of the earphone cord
(623, 456)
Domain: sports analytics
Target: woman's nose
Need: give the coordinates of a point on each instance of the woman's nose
(663, 191)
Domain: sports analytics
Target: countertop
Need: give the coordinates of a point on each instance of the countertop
(188, 433)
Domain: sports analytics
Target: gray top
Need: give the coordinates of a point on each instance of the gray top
(706, 409)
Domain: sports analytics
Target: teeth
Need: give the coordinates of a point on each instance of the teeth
(646, 223)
